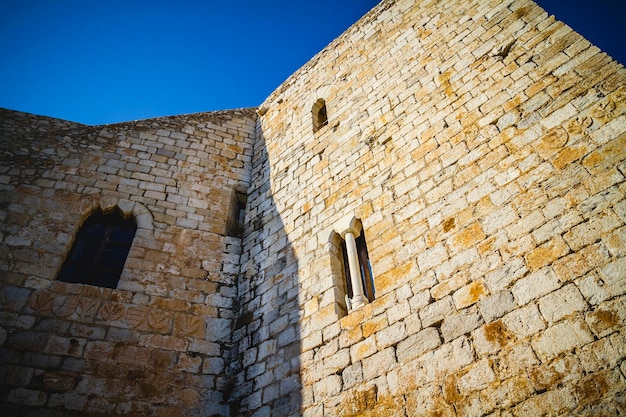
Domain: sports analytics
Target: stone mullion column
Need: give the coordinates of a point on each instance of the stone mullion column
(358, 297)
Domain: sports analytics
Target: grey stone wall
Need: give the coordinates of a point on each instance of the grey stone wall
(160, 343)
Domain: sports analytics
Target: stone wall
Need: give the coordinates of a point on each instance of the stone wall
(482, 144)
(159, 344)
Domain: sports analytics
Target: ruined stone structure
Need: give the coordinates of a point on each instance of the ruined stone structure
(479, 147)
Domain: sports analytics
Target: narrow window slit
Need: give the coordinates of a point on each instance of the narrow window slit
(237, 214)
(320, 117)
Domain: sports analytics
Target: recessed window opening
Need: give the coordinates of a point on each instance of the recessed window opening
(320, 118)
(365, 269)
(99, 250)
(351, 266)
(237, 214)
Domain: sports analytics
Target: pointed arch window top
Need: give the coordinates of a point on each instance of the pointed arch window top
(99, 250)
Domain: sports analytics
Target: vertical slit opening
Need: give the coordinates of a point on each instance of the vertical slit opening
(237, 214)
(320, 117)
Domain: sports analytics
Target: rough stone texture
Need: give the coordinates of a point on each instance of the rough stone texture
(159, 342)
(482, 144)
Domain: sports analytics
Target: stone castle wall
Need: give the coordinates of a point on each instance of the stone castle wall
(481, 144)
(160, 342)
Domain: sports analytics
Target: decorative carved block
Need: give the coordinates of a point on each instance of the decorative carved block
(112, 311)
(41, 302)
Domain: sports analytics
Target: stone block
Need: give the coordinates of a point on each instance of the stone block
(561, 303)
(416, 345)
(379, 364)
(491, 338)
(616, 242)
(561, 371)
(448, 284)
(337, 362)
(500, 278)
(215, 366)
(467, 238)
(169, 343)
(515, 360)
(460, 323)
(608, 317)
(509, 392)
(327, 387)
(592, 389)
(309, 342)
(432, 257)
(352, 375)
(555, 402)
(398, 312)
(562, 337)
(593, 289)
(592, 230)
(27, 397)
(546, 253)
(495, 306)
(65, 346)
(601, 354)
(535, 285)
(469, 294)
(524, 322)
(499, 219)
(14, 298)
(67, 400)
(363, 349)
(62, 381)
(448, 358)
(434, 313)
(579, 263)
(476, 377)
(16, 375)
(218, 329)
(613, 276)
(190, 363)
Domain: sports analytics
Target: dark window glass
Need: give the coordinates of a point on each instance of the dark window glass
(99, 251)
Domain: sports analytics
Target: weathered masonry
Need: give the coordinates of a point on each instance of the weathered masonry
(426, 219)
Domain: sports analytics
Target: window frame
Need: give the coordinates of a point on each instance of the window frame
(104, 233)
(342, 282)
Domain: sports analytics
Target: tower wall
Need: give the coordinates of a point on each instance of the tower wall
(482, 146)
(160, 343)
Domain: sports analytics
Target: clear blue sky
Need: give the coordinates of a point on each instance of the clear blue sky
(105, 61)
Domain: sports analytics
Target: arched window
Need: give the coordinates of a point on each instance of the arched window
(320, 118)
(364, 268)
(354, 279)
(99, 250)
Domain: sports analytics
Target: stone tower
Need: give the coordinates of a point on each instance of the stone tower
(428, 218)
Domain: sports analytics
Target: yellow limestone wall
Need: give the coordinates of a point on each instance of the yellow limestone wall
(482, 144)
